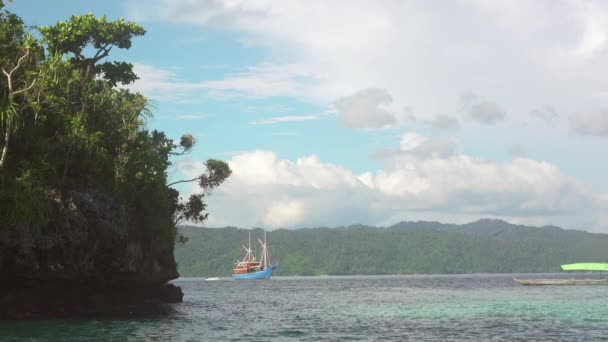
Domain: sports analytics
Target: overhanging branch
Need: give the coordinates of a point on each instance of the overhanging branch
(185, 181)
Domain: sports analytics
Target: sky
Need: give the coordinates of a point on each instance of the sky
(333, 113)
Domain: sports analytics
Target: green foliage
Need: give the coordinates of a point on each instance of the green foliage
(417, 247)
(192, 210)
(187, 141)
(79, 132)
(118, 72)
(74, 36)
(25, 197)
(217, 172)
(8, 115)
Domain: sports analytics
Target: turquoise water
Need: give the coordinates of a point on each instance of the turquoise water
(365, 308)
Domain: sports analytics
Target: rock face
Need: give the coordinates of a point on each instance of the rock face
(92, 255)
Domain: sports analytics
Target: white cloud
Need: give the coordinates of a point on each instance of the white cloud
(423, 147)
(419, 55)
(272, 192)
(414, 145)
(190, 168)
(444, 123)
(289, 118)
(546, 113)
(189, 117)
(481, 110)
(590, 123)
(281, 214)
(424, 54)
(595, 31)
(366, 109)
(263, 80)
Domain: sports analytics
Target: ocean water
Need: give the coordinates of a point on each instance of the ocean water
(358, 308)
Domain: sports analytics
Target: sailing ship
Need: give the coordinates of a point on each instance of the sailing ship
(251, 268)
(578, 267)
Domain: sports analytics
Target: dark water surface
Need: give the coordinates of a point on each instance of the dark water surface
(363, 308)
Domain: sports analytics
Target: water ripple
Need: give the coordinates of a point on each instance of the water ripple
(429, 308)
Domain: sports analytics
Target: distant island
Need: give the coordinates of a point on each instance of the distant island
(483, 246)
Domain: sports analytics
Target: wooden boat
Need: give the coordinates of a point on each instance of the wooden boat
(578, 267)
(251, 268)
(571, 281)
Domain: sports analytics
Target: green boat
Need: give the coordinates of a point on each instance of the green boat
(577, 267)
(586, 266)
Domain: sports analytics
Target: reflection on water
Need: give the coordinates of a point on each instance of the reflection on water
(461, 307)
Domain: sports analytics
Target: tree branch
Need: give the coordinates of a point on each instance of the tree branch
(27, 52)
(8, 78)
(184, 181)
(9, 75)
(104, 49)
(98, 57)
(25, 89)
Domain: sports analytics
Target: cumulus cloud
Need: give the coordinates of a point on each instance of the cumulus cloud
(420, 147)
(411, 50)
(274, 192)
(366, 109)
(546, 113)
(481, 110)
(590, 123)
(269, 191)
(284, 213)
(524, 53)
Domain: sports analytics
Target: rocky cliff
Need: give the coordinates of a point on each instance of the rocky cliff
(89, 259)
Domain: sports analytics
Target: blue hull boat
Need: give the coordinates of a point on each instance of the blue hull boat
(264, 274)
(250, 267)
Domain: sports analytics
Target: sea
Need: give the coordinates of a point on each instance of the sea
(351, 308)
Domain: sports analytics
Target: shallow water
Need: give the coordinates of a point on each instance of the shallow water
(364, 308)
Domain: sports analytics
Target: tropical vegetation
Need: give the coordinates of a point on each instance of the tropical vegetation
(484, 246)
(69, 124)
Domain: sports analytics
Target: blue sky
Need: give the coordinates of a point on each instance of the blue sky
(373, 112)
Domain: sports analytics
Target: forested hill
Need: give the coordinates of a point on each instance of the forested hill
(484, 246)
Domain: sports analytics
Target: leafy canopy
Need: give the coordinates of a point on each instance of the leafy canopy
(79, 132)
(74, 36)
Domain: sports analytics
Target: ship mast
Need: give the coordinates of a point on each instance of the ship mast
(264, 252)
(249, 255)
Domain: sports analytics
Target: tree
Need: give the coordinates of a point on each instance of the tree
(72, 37)
(80, 132)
